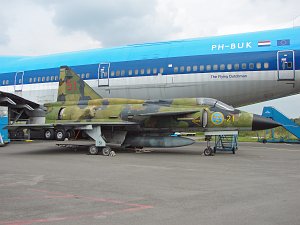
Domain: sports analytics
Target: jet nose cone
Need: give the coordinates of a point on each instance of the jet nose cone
(263, 123)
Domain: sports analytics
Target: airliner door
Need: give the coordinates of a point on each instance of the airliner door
(19, 81)
(103, 74)
(286, 65)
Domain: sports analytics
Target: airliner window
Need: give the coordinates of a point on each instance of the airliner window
(258, 66)
(188, 69)
(195, 68)
(129, 72)
(87, 75)
(39, 79)
(222, 67)
(56, 77)
(229, 66)
(251, 66)
(155, 71)
(201, 68)
(30, 80)
(52, 78)
(236, 66)
(148, 71)
(7, 82)
(136, 72)
(118, 73)
(175, 69)
(20, 81)
(123, 73)
(112, 73)
(161, 70)
(142, 71)
(266, 65)
(182, 69)
(208, 67)
(244, 66)
(3, 82)
(48, 78)
(216, 67)
(34, 79)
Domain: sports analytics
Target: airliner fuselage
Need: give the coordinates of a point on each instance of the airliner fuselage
(237, 69)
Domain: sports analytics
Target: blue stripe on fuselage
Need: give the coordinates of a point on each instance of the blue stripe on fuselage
(92, 69)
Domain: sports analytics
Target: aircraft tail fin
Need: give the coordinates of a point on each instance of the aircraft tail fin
(73, 88)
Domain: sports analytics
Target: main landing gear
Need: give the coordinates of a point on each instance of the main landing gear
(106, 151)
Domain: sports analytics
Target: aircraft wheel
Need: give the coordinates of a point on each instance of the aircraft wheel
(208, 152)
(49, 134)
(93, 150)
(106, 151)
(70, 133)
(60, 135)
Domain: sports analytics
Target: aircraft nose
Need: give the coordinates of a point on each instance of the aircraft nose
(263, 123)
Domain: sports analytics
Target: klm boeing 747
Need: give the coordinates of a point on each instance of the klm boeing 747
(237, 69)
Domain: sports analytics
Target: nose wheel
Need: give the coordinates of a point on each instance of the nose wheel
(208, 151)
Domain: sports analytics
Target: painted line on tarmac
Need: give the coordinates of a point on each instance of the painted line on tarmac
(127, 207)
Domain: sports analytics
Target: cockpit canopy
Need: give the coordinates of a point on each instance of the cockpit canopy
(214, 103)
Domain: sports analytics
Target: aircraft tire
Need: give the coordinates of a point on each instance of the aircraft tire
(70, 133)
(106, 151)
(208, 152)
(93, 150)
(60, 135)
(49, 134)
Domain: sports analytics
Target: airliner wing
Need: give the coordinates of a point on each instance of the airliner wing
(15, 101)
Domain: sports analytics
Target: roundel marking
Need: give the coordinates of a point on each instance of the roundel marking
(217, 118)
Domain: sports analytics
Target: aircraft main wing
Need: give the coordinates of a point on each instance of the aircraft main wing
(71, 124)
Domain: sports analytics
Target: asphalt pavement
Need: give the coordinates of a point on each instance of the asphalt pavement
(41, 183)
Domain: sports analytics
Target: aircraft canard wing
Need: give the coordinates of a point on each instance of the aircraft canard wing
(14, 101)
(172, 113)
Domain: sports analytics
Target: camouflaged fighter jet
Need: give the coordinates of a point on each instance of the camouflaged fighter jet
(129, 122)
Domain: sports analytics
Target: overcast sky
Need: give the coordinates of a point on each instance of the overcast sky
(34, 27)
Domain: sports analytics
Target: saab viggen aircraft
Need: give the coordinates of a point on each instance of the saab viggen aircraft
(123, 122)
(237, 69)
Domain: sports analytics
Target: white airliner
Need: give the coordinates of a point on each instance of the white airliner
(237, 69)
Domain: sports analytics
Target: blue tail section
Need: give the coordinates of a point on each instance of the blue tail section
(289, 125)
